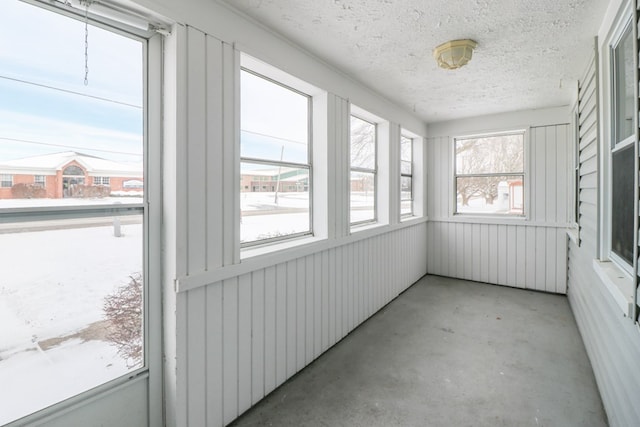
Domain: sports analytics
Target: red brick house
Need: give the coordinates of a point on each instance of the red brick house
(68, 174)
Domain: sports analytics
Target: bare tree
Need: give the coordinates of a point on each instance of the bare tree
(490, 155)
(123, 309)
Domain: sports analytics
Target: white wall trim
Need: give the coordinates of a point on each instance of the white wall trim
(187, 283)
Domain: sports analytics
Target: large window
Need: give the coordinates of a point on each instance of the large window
(71, 320)
(622, 149)
(406, 176)
(489, 174)
(275, 147)
(363, 176)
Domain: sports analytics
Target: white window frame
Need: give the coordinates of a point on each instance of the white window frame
(405, 135)
(317, 160)
(151, 371)
(4, 178)
(373, 171)
(610, 143)
(40, 180)
(525, 132)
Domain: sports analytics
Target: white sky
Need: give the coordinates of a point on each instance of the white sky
(46, 48)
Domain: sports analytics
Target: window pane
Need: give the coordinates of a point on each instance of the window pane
(406, 149)
(622, 203)
(51, 124)
(494, 194)
(274, 121)
(363, 144)
(405, 188)
(623, 80)
(71, 319)
(274, 201)
(405, 167)
(494, 154)
(405, 207)
(362, 197)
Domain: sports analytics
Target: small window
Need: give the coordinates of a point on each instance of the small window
(406, 176)
(363, 174)
(275, 147)
(489, 174)
(39, 180)
(101, 180)
(6, 181)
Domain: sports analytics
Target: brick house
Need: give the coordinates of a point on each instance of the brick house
(68, 174)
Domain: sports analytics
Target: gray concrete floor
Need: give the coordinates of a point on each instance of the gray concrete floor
(447, 353)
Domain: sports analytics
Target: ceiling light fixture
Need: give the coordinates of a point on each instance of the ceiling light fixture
(454, 54)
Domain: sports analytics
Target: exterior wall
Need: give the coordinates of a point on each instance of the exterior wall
(520, 252)
(611, 339)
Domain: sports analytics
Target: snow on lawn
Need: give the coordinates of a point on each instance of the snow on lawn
(30, 203)
(262, 217)
(53, 282)
(34, 380)
(52, 286)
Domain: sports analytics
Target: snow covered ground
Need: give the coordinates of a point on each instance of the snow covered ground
(262, 217)
(52, 286)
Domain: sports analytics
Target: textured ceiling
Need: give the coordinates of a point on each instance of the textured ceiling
(530, 52)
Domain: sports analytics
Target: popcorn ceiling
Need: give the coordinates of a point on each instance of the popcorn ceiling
(529, 51)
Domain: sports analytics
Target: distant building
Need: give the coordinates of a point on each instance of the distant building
(286, 179)
(68, 174)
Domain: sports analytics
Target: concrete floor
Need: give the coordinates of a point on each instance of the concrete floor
(447, 353)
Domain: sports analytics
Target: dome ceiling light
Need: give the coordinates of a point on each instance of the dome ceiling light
(454, 54)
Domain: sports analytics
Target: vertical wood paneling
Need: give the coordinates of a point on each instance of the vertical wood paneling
(551, 260)
(477, 252)
(493, 253)
(317, 304)
(196, 152)
(281, 323)
(541, 259)
(301, 315)
(521, 257)
(484, 252)
(467, 239)
(530, 281)
(214, 366)
(257, 336)
(230, 350)
(511, 258)
(270, 307)
(291, 318)
(550, 174)
(310, 309)
(196, 361)
(332, 297)
(214, 175)
(325, 300)
(244, 343)
(503, 250)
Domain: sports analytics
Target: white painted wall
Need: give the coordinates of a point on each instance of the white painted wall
(237, 327)
(520, 252)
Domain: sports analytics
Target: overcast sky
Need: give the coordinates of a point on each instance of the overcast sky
(46, 48)
(42, 47)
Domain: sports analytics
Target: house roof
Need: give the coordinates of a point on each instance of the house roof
(49, 164)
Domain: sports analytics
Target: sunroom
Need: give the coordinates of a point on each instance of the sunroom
(319, 213)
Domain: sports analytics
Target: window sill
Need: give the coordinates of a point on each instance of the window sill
(618, 283)
(366, 226)
(290, 244)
